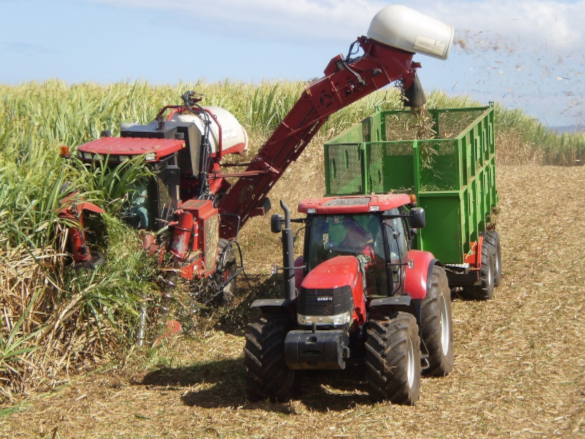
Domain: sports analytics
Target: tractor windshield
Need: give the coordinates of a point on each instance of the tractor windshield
(342, 235)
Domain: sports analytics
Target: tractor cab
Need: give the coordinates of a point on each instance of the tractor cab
(373, 229)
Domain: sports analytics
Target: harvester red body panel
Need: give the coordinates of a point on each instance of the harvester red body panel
(77, 239)
(128, 146)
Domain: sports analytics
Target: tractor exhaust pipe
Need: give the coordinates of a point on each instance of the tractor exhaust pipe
(288, 243)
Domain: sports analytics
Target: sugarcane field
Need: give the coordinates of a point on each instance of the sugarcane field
(393, 248)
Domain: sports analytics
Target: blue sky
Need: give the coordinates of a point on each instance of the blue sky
(525, 53)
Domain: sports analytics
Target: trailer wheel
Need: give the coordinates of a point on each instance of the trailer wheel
(393, 359)
(228, 270)
(485, 289)
(493, 238)
(437, 330)
(267, 375)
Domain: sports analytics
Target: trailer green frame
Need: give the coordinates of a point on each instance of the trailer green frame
(452, 173)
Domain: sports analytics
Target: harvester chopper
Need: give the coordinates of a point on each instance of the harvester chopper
(190, 197)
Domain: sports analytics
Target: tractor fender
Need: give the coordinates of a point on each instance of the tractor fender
(417, 279)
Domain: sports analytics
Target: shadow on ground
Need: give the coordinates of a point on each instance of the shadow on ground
(222, 384)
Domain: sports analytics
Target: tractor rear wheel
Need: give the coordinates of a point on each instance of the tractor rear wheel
(393, 359)
(493, 238)
(228, 270)
(437, 330)
(267, 375)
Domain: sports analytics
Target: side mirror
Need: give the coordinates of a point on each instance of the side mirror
(276, 223)
(417, 218)
(170, 175)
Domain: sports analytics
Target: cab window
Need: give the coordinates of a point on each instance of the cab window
(398, 246)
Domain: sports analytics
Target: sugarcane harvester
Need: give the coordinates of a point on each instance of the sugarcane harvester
(189, 208)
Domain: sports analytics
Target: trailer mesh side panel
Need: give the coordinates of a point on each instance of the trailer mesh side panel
(375, 166)
(407, 126)
(345, 169)
(451, 123)
(438, 166)
(398, 165)
(388, 168)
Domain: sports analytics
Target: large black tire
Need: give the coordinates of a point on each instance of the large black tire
(393, 359)
(267, 375)
(437, 329)
(493, 238)
(485, 289)
(229, 291)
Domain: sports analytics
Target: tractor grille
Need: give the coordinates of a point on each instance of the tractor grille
(325, 302)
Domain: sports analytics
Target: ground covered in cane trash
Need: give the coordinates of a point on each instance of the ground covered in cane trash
(519, 358)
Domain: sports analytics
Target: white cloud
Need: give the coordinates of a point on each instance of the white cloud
(516, 24)
(512, 23)
(324, 20)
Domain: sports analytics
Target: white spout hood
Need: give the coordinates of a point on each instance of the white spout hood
(409, 30)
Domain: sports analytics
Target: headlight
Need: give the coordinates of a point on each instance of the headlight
(336, 320)
(123, 158)
(87, 155)
(150, 157)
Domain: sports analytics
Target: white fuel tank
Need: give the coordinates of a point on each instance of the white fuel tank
(233, 135)
(409, 30)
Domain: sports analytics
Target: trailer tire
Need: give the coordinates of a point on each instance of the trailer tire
(229, 291)
(393, 359)
(493, 238)
(485, 289)
(267, 375)
(437, 329)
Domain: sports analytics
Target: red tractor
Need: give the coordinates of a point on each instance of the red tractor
(359, 294)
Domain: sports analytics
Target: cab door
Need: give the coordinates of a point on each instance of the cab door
(397, 240)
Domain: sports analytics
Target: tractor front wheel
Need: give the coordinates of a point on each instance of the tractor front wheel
(437, 330)
(267, 375)
(393, 359)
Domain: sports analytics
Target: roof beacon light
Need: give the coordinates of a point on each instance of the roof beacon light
(409, 30)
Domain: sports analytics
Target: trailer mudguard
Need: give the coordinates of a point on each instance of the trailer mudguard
(417, 279)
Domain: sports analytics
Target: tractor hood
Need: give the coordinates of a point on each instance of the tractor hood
(338, 272)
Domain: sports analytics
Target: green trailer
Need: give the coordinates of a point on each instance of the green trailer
(449, 167)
